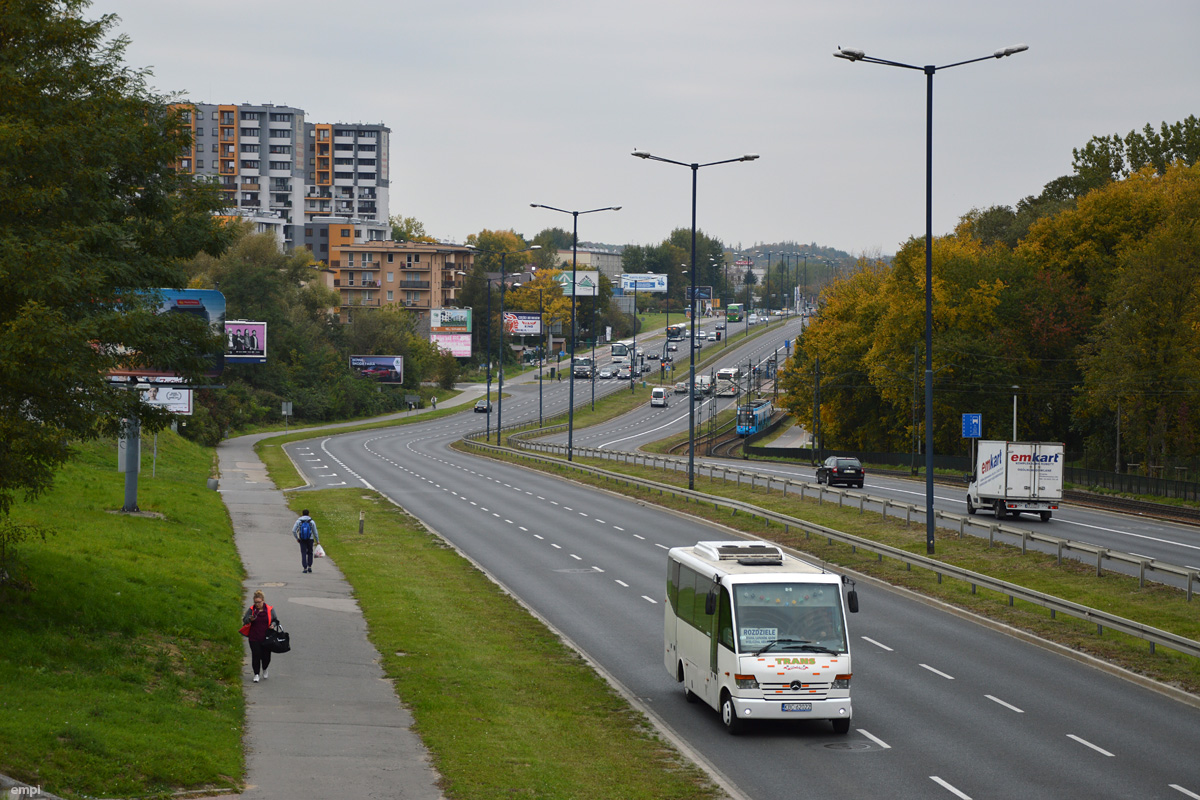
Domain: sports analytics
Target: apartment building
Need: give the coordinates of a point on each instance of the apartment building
(272, 163)
(373, 273)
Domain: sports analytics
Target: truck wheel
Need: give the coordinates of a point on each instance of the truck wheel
(1045, 516)
(841, 725)
(970, 506)
(1001, 511)
(729, 715)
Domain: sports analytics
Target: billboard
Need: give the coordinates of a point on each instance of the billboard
(643, 282)
(208, 305)
(385, 369)
(523, 323)
(173, 398)
(245, 342)
(587, 282)
(702, 293)
(450, 320)
(458, 344)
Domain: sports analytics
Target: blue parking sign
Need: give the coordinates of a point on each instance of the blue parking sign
(972, 426)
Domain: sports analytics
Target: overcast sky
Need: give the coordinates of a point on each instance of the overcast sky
(496, 105)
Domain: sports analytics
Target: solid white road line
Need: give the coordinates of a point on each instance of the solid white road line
(948, 787)
(938, 672)
(877, 644)
(1006, 705)
(1086, 743)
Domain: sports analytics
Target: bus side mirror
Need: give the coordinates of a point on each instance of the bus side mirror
(710, 603)
(852, 601)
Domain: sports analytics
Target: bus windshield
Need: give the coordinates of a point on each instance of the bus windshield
(621, 351)
(788, 617)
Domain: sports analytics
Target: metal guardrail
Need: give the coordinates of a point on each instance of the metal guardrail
(1154, 636)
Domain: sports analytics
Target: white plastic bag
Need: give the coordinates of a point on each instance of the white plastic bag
(318, 551)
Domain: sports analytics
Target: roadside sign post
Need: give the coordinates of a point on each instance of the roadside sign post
(287, 412)
(972, 428)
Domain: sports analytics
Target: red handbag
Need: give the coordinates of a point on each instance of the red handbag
(245, 629)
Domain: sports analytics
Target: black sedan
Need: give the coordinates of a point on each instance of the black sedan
(483, 406)
(838, 469)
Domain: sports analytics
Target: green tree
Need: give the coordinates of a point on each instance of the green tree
(93, 219)
(409, 229)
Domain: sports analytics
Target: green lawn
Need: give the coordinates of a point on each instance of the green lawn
(121, 671)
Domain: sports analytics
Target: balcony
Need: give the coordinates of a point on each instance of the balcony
(354, 302)
(413, 285)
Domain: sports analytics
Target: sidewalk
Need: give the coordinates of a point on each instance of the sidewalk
(326, 723)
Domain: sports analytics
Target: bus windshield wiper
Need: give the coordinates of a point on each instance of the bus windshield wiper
(774, 642)
(817, 648)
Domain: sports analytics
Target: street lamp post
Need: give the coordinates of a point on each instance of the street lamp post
(1014, 388)
(695, 168)
(500, 348)
(574, 254)
(929, 70)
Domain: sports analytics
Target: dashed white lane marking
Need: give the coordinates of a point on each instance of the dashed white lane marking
(623, 583)
(1086, 743)
(577, 558)
(1009, 706)
(948, 787)
(1184, 791)
(638, 536)
(877, 644)
(556, 546)
(597, 568)
(875, 739)
(938, 672)
(663, 546)
(649, 599)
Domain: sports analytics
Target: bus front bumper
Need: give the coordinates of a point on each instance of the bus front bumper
(757, 708)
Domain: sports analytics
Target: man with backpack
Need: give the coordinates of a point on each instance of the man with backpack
(305, 532)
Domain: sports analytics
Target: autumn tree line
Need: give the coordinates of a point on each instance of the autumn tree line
(1083, 301)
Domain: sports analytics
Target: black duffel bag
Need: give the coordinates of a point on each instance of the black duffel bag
(278, 640)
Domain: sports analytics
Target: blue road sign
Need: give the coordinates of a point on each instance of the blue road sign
(972, 426)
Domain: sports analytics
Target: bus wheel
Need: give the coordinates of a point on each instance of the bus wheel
(729, 715)
(841, 725)
(689, 695)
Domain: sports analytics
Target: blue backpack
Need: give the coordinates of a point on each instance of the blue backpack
(306, 529)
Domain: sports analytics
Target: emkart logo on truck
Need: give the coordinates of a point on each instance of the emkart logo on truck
(1044, 458)
(990, 464)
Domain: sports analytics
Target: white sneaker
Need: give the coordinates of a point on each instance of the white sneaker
(256, 678)
(265, 675)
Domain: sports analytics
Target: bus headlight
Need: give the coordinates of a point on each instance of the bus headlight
(841, 682)
(746, 681)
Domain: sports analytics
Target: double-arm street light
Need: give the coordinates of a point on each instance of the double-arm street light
(574, 287)
(694, 167)
(500, 349)
(929, 70)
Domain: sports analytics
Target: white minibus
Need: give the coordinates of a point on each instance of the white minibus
(758, 634)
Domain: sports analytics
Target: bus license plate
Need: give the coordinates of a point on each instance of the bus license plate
(796, 706)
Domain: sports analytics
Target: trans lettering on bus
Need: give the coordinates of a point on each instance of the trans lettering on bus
(758, 634)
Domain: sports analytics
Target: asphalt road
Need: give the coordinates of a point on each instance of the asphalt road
(943, 706)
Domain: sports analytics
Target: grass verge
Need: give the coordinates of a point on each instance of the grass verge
(121, 671)
(1157, 605)
(506, 708)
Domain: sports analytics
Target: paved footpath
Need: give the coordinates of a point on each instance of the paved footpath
(326, 724)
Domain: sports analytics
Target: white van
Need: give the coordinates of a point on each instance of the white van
(658, 397)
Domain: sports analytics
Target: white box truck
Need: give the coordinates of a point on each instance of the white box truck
(1016, 478)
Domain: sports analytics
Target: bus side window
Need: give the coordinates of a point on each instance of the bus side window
(673, 584)
(725, 620)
